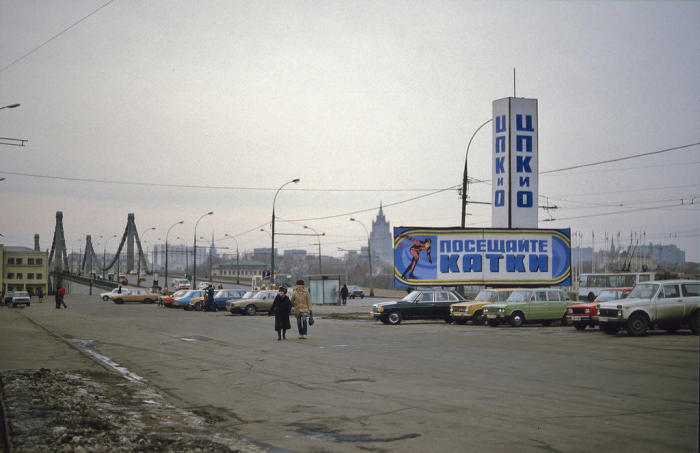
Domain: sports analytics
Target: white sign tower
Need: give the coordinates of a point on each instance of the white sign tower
(515, 165)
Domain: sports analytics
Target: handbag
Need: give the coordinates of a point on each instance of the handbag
(311, 318)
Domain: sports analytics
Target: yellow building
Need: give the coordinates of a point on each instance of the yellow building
(23, 269)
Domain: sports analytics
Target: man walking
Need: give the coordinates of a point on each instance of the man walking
(301, 299)
(60, 292)
(344, 294)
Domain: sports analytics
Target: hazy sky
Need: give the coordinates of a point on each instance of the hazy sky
(346, 95)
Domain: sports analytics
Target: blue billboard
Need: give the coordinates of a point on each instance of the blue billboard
(481, 256)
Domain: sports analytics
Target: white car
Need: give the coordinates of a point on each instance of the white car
(203, 285)
(114, 292)
(181, 283)
(667, 304)
(21, 298)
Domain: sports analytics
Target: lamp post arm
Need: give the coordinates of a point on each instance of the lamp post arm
(465, 177)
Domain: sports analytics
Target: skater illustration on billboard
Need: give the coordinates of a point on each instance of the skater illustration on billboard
(416, 248)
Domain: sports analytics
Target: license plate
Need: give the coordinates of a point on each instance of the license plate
(575, 318)
(492, 316)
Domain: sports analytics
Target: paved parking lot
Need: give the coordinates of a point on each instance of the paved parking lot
(357, 385)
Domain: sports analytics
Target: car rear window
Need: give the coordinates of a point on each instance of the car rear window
(691, 289)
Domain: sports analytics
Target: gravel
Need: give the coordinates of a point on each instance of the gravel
(52, 410)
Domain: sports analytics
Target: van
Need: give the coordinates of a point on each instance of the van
(181, 283)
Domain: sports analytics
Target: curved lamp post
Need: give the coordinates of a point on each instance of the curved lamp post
(11, 106)
(318, 237)
(369, 254)
(272, 249)
(166, 250)
(465, 177)
(194, 252)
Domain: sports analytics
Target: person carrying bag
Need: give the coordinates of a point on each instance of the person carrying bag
(302, 308)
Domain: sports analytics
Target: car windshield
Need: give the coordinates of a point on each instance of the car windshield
(607, 294)
(484, 296)
(180, 293)
(221, 294)
(519, 296)
(22, 294)
(412, 296)
(643, 291)
(248, 295)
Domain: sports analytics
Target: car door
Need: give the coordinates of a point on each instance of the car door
(691, 298)
(422, 305)
(266, 301)
(556, 307)
(538, 306)
(441, 307)
(669, 305)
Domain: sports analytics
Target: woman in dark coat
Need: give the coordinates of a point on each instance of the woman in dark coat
(281, 308)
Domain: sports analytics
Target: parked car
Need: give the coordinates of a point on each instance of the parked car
(7, 298)
(355, 291)
(669, 305)
(181, 283)
(167, 299)
(253, 303)
(584, 315)
(203, 285)
(419, 304)
(224, 295)
(21, 298)
(135, 295)
(191, 296)
(473, 309)
(536, 305)
(107, 295)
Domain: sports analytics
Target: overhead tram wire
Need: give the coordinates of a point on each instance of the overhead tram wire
(626, 211)
(17, 60)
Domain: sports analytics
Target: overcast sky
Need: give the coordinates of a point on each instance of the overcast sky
(346, 95)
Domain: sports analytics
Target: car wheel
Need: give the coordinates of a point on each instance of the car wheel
(394, 318)
(198, 306)
(580, 325)
(695, 321)
(517, 319)
(637, 325)
(250, 310)
(609, 329)
(478, 319)
(105, 298)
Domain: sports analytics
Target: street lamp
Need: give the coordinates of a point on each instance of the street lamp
(104, 254)
(465, 177)
(11, 106)
(138, 271)
(238, 267)
(318, 237)
(272, 236)
(369, 254)
(166, 250)
(194, 252)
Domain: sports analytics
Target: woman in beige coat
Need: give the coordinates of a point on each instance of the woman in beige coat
(301, 299)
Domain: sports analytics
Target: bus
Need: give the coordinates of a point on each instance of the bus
(589, 285)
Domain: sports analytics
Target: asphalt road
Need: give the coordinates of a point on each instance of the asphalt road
(422, 386)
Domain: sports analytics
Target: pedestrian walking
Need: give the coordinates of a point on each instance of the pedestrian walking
(301, 299)
(40, 293)
(60, 293)
(211, 306)
(281, 307)
(344, 294)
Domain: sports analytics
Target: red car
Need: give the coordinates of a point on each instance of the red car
(583, 315)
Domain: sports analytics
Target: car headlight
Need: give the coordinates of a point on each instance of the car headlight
(587, 310)
(451, 309)
(619, 313)
(502, 310)
(381, 309)
(486, 310)
(571, 310)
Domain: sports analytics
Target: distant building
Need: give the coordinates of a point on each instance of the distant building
(381, 238)
(669, 254)
(263, 252)
(293, 253)
(23, 269)
(248, 269)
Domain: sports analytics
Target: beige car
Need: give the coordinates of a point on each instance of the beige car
(252, 302)
(472, 309)
(135, 295)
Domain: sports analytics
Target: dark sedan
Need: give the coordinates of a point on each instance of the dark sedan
(224, 295)
(419, 304)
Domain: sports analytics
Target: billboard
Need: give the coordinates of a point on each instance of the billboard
(481, 256)
(514, 183)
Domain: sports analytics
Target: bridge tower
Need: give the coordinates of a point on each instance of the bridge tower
(58, 247)
(88, 256)
(131, 228)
